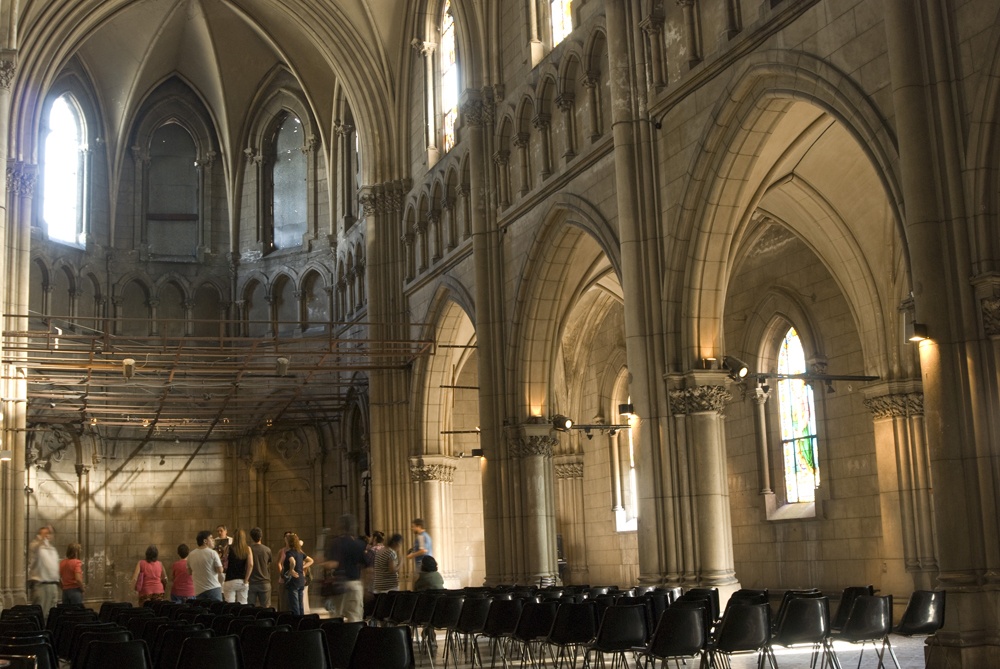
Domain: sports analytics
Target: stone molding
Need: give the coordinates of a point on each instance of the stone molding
(699, 399)
(21, 178)
(896, 405)
(8, 68)
(569, 470)
(991, 315)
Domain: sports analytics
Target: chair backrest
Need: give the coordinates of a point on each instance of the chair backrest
(214, 652)
(710, 595)
(622, 628)
(472, 619)
(18, 623)
(382, 647)
(870, 619)
(340, 640)
(423, 609)
(220, 624)
(791, 594)
(118, 654)
(107, 608)
(804, 620)
(744, 628)
(383, 605)
(156, 648)
(172, 641)
(20, 661)
(535, 621)
(574, 624)
(309, 621)
(924, 613)
(81, 645)
(503, 616)
(63, 635)
(403, 607)
(680, 633)
(254, 640)
(847, 598)
(299, 648)
(44, 654)
(447, 611)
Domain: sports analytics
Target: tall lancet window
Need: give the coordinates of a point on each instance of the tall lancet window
(561, 17)
(798, 424)
(63, 172)
(448, 52)
(289, 194)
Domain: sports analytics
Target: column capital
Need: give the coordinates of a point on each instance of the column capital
(426, 469)
(524, 445)
(699, 399)
(896, 406)
(21, 177)
(8, 67)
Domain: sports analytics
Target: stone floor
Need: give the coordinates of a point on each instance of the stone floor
(909, 652)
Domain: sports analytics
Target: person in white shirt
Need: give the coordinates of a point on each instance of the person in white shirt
(43, 570)
(205, 567)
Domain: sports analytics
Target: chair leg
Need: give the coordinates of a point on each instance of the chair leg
(892, 653)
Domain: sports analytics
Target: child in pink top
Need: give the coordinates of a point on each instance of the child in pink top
(183, 589)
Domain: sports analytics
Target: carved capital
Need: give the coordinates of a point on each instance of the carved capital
(464, 190)
(475, 112)
(540, 122)
(500, 158)
(8, 68)
(521, 140)
(447, 203)
(369, 203)
(253, 156)
(420, 471)
(522, 446)
(991, 315)
(342, 129)
(591, 79)
(565, 101)
(569, 470)
(896, 405)
(423, 48)
(699, 399)
(21, 178)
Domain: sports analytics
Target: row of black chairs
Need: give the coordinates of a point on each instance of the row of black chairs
(126, 637)
(657, 624)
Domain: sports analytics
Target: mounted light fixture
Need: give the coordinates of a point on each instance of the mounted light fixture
(6, 455)
(737, 368)
(626, 409)
(128, 367)
(476, 452)
(281, 366)
(561, 423)
(915, 332)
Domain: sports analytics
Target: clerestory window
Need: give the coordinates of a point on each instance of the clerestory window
(64, 172)
(448, 77)
(560, 19)
(289, 194)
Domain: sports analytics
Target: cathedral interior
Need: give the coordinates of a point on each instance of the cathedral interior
(694, 293)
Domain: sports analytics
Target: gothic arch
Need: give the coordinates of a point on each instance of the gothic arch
(722, 196)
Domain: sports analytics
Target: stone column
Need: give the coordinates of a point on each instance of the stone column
(502, 161)
(905, 491)
(420, 233)
(427, 50)
(569, 516)
(566, 103)
(541, 123)
(591, 81)
(433, 475)
(448, 227)
(345, 149)
(760, 397)
(535, 524)
(699, 428)
(521, 143)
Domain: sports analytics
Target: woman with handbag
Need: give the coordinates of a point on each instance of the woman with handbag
(149, 577)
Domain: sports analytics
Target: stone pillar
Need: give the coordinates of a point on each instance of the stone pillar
(541, 123)
(521, 143)
(905, 492)
(570, 516)
(502, 161)
(699, 429)
(760, 397)
(535, 523)
(433, 476)
(566, 103)
(958, 406)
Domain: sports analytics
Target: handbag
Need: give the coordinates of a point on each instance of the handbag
(139, 582)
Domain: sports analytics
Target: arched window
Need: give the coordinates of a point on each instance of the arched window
(448, 77)
(173, 201)
(797, 411)
(560, 19)
(627, 511)
(63, 172)
(289, 196)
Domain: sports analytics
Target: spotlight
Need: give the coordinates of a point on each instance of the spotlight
(128, 367)
(476, 452)
(586, 431)
(626, 409)
(561, 423)
(6, 455)
(612, 432)
(916, 332)
(830, 388)
(737, 368)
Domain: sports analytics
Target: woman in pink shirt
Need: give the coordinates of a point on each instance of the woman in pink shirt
(71, 575)
(183, 589)
(149, 577)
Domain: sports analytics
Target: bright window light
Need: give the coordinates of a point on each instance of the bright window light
(61, 172)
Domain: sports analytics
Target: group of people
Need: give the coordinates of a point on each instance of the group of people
(48, 575)
(348, 559)
(228, 568)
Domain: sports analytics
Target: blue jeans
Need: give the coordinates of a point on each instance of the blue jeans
(72, 596)
(294, 599)
(177, 599)
(215, 594)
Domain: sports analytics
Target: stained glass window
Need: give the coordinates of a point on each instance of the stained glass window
(798, 423)
(562, 19)
(449, 77)
(62, 176)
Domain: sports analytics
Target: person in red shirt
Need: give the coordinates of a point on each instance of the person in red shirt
(149, 577)
(71, 575)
